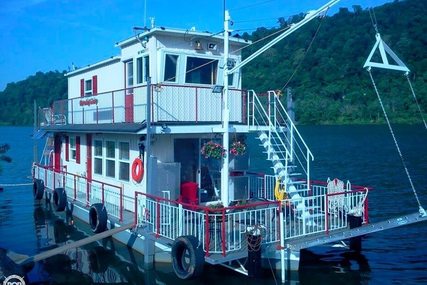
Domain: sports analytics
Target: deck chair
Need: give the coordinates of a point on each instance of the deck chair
(336, 201)
(51, 118)
(356, 205)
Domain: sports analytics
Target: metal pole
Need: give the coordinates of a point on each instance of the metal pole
(225, 116)
(35, 150)
(282, 244)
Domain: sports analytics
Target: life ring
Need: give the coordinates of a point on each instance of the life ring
(137, 170)
(187, 257)
(279, 192)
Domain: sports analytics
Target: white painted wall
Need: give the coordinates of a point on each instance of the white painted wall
(110, 77)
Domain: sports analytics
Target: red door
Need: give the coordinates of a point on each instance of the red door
(89, 157)
(57, 153)
(129, 108)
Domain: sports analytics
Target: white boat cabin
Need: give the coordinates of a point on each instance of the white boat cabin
(100, 130)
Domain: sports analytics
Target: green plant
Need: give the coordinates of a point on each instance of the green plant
(212, 150)
(238, 148)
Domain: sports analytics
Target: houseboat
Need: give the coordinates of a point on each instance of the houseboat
(158, 134)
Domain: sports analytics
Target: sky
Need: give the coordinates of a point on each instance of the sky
(47, 35)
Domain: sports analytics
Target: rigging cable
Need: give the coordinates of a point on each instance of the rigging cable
(421, 209)
(306, 51)
(416, 100)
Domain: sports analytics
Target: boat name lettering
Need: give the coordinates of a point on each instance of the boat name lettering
(88, 102)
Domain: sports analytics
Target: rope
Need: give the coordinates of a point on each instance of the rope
(373, 19)
(422, 211)
(16, 184)
(416, 100)
(305, 53)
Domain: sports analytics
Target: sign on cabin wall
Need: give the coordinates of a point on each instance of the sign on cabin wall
(88, 102)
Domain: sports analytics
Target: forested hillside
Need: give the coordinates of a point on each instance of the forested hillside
(330, 84)
(18, 98)
(322, 63)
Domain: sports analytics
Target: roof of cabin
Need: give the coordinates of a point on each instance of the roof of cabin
(118, 128)
(177, 32)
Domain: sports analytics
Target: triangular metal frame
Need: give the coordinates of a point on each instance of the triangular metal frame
(384, 49)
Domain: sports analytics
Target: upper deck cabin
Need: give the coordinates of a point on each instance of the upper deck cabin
(184, 66)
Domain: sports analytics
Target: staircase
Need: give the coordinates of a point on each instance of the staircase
(285, 148)
(48, 151)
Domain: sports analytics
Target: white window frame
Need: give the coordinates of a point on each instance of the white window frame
(110, 159)
(73, 149)
(123, 160)
(88, 87)
(117, 159)
(210, 60)
(177, 73)
(101, 157)
(143, 72)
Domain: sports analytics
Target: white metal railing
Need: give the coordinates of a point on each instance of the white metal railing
(78, 188)
(219, 230)
(170, 103)
(284, 143)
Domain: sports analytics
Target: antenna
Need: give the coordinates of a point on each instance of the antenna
(145, 13)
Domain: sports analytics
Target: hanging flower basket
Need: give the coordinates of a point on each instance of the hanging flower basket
(238, 148)
(212, 150)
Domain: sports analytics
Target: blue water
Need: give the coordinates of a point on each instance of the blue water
(365, 155)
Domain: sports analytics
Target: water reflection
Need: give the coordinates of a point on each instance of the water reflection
(339, 266)
(110, 262)
(97, 263)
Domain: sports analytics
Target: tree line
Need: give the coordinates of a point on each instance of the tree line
(322, 63)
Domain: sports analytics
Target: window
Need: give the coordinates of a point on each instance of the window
(88, 87)
(171, 62)
(124, 161)
(201, 70)
(129, 75)
(73, 148)
(230, 79)
(98, 156)
(110, 161)
(142, 69)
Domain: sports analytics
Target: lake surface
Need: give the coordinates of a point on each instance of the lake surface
(365, 155)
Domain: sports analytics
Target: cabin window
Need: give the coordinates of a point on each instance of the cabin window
(142, 69)
(98, 157)
(231, 79)
(201, 70)
(88, 87)
(129, 75)
(124, 161)
(110, 161)
(171, 62)
(73, 148)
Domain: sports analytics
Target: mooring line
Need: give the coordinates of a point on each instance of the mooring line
(15, 184)
(421, 209)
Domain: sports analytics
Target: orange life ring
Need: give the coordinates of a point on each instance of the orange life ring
(137, 170)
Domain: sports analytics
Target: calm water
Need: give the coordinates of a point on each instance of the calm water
(363, 154)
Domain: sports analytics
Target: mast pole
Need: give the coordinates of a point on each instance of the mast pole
(225, 115)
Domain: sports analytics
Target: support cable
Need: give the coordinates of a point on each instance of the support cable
(421, 209)
(416, 100)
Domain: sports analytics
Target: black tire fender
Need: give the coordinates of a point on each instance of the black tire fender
(98, 217)
(38, 189)
(187, 257)
(59, 199)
